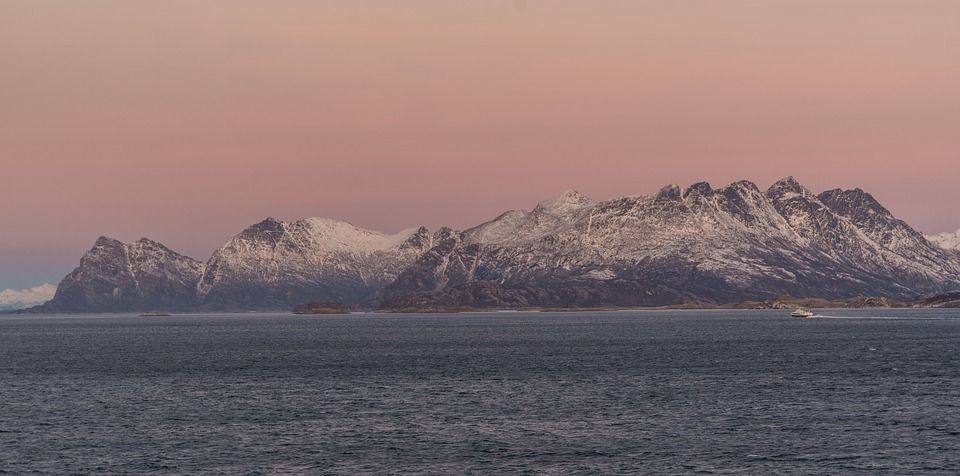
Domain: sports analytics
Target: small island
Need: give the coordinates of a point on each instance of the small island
(323, 308)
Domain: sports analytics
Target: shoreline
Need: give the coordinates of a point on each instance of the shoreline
(948, 301)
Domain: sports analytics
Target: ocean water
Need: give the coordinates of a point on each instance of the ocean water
(671, 392)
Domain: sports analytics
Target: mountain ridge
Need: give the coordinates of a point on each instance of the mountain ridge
(679, 245)
(694, 245)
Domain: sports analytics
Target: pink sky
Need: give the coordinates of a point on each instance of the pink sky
(186, 121)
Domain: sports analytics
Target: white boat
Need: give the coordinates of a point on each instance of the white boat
(801, 312)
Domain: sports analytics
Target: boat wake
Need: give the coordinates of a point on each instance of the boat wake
(884, 318)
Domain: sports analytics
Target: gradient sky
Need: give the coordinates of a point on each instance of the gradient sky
(186, 121)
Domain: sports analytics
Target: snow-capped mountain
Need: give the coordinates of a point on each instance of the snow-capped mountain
(697, 244)
(115, 276)
(278, 265)
(11, 299)
(947, 241)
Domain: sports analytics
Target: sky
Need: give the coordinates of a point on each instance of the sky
(187, 121)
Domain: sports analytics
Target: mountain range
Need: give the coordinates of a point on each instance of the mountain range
(694, 245)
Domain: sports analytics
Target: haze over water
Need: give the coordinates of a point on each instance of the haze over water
(867, 391)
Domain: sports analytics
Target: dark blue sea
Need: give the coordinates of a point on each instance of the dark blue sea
(650, 392)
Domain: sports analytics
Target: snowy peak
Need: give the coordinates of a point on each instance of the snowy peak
(787, 188)
(274, 264)
(117, 276)
(566, 201)
(867, 214)
(741, 190)
(334, 235)
(268, 224)
(853, 202)
(106, 242)
(669, 193)
(325, 235)
(518, 225)
(699, 188)
(419, 239)
(501, 229)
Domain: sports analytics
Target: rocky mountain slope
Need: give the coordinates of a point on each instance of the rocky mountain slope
(277, 265)
(271, 265)
(697, 245)
(693, 245)
(139, 276)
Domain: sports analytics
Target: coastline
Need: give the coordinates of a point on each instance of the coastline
(943, 301)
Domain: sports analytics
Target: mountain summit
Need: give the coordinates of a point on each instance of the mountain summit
(698, 244)
(115, 276)
(277, 265)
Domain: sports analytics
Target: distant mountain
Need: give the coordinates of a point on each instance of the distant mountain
(693, 245)
(948, 241)
(11, 299)
(140, 276)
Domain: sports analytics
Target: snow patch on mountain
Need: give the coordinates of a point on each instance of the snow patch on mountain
(549, 216)
(947, 241)
(275, 264)
(332, 235)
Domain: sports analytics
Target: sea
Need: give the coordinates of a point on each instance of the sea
(629, 392)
